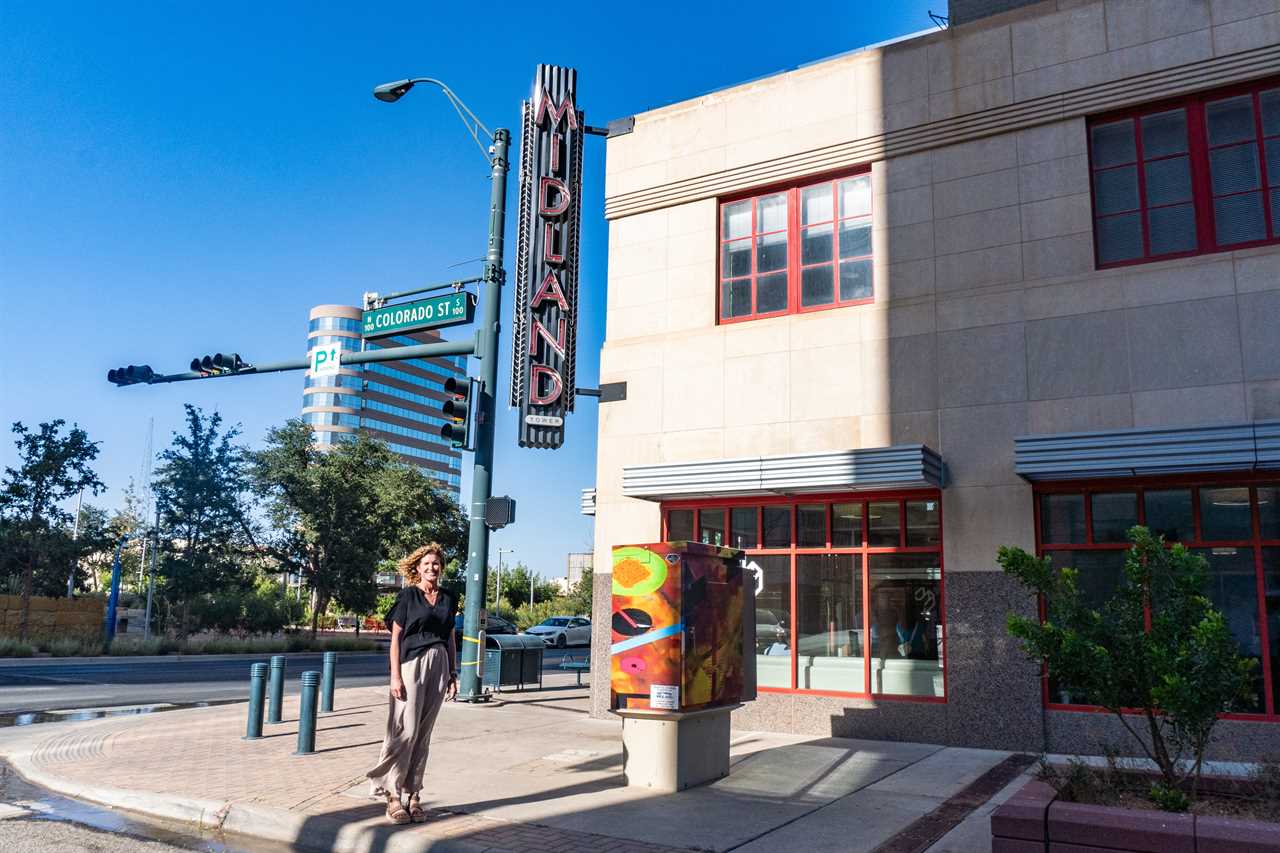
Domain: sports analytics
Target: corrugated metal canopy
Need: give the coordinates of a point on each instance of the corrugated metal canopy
(1149, 450)
(899, 466)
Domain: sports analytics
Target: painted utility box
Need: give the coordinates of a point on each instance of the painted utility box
(677, 642)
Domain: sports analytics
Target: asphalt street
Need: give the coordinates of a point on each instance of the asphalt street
(102, 683)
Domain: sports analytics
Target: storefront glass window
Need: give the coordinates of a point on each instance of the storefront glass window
(1215, 521)
(1233, 589)
(1062, 518)
(743, 527)
(811, 525)
(829, 627)
(846, 525)
(1269, 511)
(773, 620)
(906, 624)
(777, 526)
(711, 526)
(680, 524)
(820, 552)
(883, 519)
(1169, 514)
(1271, 584)
(1113, 514)
(922, 524)
(1225, 514)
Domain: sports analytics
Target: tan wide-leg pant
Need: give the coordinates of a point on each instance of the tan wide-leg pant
(409, 724)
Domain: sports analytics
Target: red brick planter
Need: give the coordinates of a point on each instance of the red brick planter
(1034, 821)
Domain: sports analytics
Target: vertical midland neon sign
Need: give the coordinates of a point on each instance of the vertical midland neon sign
(546, 292)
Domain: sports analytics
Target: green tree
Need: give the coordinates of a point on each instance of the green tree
(515, 586)
(579, 597)
(1180, 672)
(200, 490)
(337, 513)
(52, 468)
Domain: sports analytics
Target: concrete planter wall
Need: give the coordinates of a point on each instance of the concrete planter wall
(1034, 821)
(53, 618)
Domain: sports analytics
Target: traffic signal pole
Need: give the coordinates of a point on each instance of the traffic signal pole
(486, 350)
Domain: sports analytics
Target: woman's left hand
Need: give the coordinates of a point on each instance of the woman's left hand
(452, 690)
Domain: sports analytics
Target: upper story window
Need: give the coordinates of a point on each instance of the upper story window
(804, 248)
(1198, 175)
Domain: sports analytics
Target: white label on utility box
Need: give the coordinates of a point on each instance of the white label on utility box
(664, 697)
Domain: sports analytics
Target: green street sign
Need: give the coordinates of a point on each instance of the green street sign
(452, 309)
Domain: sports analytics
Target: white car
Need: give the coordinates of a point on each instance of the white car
(562, 631)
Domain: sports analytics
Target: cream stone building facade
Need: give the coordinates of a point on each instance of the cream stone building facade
(921, 300)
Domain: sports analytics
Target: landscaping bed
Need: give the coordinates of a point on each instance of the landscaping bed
(1230, 816)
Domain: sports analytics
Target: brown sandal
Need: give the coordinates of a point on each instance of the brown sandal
(416, 812)
(395, 810)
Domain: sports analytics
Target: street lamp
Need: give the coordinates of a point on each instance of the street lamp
(486, 350)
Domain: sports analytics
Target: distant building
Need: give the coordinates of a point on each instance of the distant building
(398, 401)
(575, 566)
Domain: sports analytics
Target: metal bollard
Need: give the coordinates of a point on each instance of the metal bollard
(326, 682)
(307, 713)
(257, 687)
(277, 689)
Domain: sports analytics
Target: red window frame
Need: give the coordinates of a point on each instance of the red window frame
(1199, 153)
(794, 230)
(1139, 486)
(862, 553)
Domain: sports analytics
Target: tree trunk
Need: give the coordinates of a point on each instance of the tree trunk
(28, 575)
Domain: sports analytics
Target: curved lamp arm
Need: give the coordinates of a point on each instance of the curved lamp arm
(392, 92)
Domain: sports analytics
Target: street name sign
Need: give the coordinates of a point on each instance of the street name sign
(325, 360)
(452, 309)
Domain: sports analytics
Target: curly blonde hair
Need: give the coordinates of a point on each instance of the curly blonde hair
(408, 567)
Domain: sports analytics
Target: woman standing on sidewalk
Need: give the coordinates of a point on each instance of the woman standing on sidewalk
(424, 672)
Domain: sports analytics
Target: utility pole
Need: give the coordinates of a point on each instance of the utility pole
(501, 551)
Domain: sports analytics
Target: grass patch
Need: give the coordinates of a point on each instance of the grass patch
(70, 647)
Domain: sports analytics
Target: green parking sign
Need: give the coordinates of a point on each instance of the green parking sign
(452, 309)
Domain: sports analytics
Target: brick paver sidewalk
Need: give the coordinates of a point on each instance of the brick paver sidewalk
(199, 754)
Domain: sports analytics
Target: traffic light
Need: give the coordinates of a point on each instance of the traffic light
(131, 375)
(218, 363)
(457, 411)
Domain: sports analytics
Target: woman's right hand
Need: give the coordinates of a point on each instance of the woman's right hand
(397, 688)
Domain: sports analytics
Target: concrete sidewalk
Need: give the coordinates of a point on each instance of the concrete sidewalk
(526, 772)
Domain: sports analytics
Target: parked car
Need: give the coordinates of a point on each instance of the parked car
(493, 625)
(562, 631)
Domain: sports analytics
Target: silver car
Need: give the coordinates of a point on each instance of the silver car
(562, 631)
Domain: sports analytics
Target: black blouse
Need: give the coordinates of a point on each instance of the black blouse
(422, 625)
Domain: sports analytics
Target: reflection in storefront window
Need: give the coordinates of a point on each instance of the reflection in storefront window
(711, 526)
(829, 626)
(743, 527)
(773, 619)
(811, 526)
(1113, 514)
(1233, 589)
(1271, 584)
(883, 524)
(1225, 514)
(1062, 518)
(680, 524)
(1169, 514)
(906, 624)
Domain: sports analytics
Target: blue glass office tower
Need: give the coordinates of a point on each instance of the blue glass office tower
(398, 402)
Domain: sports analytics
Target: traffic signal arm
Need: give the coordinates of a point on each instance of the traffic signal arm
(463, 347)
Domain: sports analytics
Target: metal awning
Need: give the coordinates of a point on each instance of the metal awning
(899, 466)
(1163, 450)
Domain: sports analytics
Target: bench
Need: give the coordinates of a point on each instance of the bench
(577, 666)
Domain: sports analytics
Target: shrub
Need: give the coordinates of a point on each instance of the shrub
(135, 646)
(1179, 672)
(67, 647)
(11, 648)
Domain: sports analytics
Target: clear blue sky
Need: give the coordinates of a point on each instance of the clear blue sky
(178, 178)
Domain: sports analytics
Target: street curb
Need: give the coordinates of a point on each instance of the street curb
(303, 832)
(247, 656)
(247, 820)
